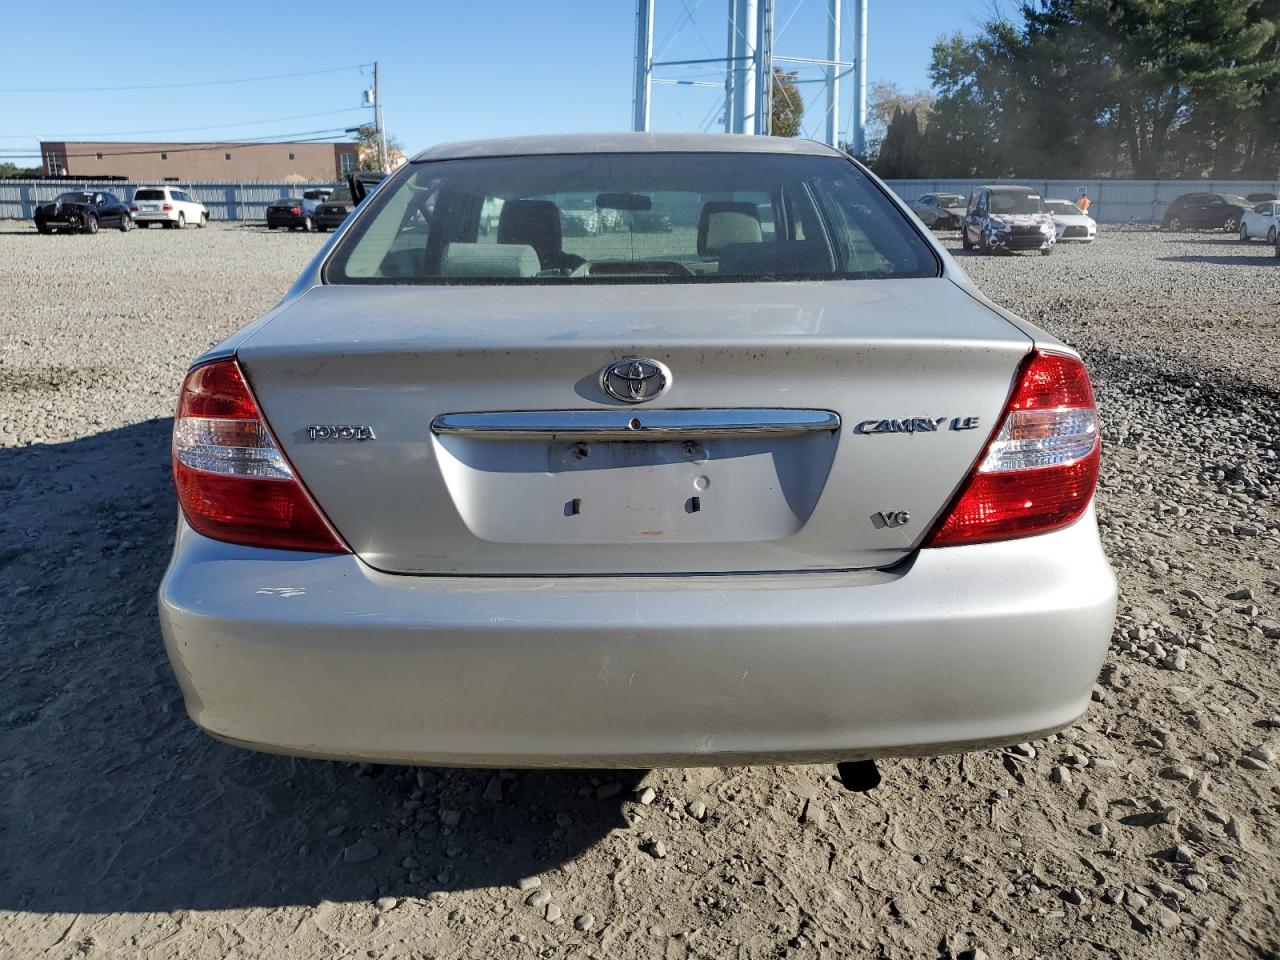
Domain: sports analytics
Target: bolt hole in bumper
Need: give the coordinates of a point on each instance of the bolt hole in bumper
(954, 649)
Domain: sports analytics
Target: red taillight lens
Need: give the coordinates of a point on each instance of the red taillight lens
(233, 482)
(296, 211)
(133, 208)
(167, 207)
(1040, 468)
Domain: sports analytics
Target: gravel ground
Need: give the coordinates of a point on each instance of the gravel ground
(1149, 829)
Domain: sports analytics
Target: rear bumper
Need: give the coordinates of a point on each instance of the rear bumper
(321, 656)
(155, 216)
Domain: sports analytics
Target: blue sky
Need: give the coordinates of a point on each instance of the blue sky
(450, 70)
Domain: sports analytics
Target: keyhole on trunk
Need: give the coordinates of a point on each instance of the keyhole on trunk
(580, 451)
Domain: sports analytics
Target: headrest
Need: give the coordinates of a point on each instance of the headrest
(532, 222)
(489, 260)
(787, 258)
(727, 221)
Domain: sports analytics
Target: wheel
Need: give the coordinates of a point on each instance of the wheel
(1230, 224)
(306, 224)
(964, 239)
(1175, 224)
(44, 228)
(182, 219)
(1045, 251)
(984, 243)
(126, 223)
(1244, 232)
(1271, 235)
(90, 224)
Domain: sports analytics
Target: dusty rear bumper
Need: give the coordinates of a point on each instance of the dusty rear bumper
(321, 656)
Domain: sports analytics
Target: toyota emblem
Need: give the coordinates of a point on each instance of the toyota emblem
(635, 380)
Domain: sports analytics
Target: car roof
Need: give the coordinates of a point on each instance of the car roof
(1006, 188)
(626, 143)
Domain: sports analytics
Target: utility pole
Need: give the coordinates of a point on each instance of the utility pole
(377, 120)
(644, 66)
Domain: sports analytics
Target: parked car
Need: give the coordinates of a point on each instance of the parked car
(1070, 222)
(82, 211)
(171, 206)
(1004, 219)
(941, 211)
(1213, 211)
(579, 217)
(334, 209)
(311, 199)
(462, 501)
(1262, 220)
(288, 212)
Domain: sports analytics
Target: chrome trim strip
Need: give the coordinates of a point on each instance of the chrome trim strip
(635, 424)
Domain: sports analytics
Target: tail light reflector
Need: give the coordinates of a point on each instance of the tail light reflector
(1040, 468)
(167, 207)
(296, 211)
(233, 482)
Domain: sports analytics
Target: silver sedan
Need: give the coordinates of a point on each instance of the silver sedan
(777, 484)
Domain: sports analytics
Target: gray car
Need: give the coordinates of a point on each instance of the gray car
(779, 487)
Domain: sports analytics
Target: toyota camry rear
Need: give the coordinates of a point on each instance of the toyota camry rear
(776, 485)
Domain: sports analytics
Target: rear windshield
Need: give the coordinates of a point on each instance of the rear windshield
(315, 194)
(74, 198)
(149, 195)
(682, 218)
(950, 200)
(340, 195)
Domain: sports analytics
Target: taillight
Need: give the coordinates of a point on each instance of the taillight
(296, 211)
(133, 208)
(167, 207)
(233, 482)
(1040, 468)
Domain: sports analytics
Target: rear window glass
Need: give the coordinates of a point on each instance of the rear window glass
(682, 218)
(149, 195)
(315, 194)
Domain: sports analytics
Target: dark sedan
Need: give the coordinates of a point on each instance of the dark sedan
(1214, 211)
(83, 212)
(333, 209)
(288, 212)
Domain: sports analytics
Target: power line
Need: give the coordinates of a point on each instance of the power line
(191, 83)
(211, 126)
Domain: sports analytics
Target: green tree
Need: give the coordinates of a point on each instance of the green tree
(8, 169)
(367, 138)
(883, 100)
(788, 105)
(901, 155)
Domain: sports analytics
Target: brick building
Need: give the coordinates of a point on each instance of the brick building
(202, 162)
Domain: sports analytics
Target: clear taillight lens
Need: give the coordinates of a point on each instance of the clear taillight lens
(233, 482)
(1039, 470)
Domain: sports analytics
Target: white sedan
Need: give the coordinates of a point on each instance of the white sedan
(171, 206)
(1261, 221)
(1070, 222)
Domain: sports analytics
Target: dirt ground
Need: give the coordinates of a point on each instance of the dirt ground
(1151, 828)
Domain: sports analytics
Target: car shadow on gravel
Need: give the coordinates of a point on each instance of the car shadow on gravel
(1251, 261)
(111, 800)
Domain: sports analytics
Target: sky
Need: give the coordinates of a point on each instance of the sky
(449, 70)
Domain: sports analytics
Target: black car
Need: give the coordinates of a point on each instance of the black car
(330, 213)
(1213, 211)
(83, 212)
(288, 212)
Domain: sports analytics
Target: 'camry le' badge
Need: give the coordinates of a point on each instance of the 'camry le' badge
(635, 379)
(917, 425)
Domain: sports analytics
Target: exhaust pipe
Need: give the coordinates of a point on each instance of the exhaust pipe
(859, 775)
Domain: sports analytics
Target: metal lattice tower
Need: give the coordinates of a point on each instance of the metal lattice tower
(748, 66)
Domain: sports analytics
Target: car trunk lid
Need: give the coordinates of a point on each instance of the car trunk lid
(464, 429)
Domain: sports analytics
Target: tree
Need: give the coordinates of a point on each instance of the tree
(8, 169)
(883, 101)
(1142, 88)
(788, 105)
(367, 149)
(902, 155)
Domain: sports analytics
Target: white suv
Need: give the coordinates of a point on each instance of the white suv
(170, 206)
